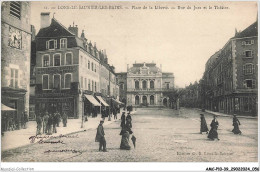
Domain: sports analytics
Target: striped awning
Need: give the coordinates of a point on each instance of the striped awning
(92, 100)
(102, 101)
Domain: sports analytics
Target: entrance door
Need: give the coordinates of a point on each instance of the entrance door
(165, 102)
(144, 100)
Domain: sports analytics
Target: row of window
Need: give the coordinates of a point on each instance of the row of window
(248, 42)
(144, 84)
(56, 81)
(57, 59)
(91, 66)
(52, 44)
(144, 100)
(90, 85)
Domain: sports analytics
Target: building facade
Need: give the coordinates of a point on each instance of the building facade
(15, 61)
(230, 79)
(147, 85)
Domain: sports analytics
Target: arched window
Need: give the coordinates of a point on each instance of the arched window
(68, 80)
(136, 84)
(68, 58)
(151, 100)
(136, 100)
(152, 84)
(56, 60)
(144, 100)
(144, 84)
(56, 81)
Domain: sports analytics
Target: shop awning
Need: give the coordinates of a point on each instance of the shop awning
(6, 108)
(92, 100)
(117, 101)
(102, 101)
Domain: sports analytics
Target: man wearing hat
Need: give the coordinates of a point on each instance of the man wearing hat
(100, 137)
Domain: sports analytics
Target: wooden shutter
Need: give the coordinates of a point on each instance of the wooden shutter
(245, 84)
(243, 42)
(55, 43)
(244, 69)
(252, 41)
(253, 68)
(244, 53)
(47, 45)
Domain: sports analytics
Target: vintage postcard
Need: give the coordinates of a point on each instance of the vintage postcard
(129, 81)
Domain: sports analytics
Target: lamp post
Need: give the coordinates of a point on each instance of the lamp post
(82, 120)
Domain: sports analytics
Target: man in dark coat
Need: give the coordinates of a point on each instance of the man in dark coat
(100, 137)
(49, 124)
(64, 119)
(115, 113)
(214, 127)
(55, 122)
(39, 124)
(236, 124)
(123, 120)
(203, 124)
(45, 122)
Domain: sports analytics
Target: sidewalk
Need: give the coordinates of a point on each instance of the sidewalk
(226, 115)
(19, 138)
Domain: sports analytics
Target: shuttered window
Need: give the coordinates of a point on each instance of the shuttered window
(15, 9)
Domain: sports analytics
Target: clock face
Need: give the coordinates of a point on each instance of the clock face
(15, 38)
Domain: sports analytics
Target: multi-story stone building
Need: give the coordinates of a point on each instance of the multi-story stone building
(71, 73)
(67, 70)
(15, 61)
(230, 77)
(147, 85)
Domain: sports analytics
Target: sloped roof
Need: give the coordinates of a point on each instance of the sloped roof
(54, 30)
(251, 30)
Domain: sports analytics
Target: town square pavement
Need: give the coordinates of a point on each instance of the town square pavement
(163, 135)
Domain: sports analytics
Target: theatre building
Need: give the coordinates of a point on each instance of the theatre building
(15, 61)
(67, 70)
(147, 85)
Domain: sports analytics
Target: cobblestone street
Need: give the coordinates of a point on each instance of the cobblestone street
(162, 135)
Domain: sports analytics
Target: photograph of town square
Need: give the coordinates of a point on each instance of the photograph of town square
(129, 81)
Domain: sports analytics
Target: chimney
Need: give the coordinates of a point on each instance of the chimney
(82, 34)
(74, 29)
(127, 67)
(45, 20)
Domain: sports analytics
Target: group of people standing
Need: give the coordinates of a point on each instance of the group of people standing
(213, 133)
(126, 131)
(47, 123)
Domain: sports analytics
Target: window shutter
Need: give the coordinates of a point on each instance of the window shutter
(243, 42)
(252, 41)
(252, 53)
(244, 69)
(244, 53)
(253, 68)
(253, 83)
(47, 45)
(55, 43)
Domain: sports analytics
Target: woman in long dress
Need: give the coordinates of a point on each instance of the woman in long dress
(213, 133)
(125, 140)
(236, 124)
(203, 124)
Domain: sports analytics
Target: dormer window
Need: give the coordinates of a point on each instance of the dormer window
(63, 43)
(51, 44)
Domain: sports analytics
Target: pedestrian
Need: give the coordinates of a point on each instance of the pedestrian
(103, 113)
(64, 119)
(59, 118)
(45, 122)
(123, 120)
(115, 113)
(128, 125)
(129, 117)
(203, 124)
(55, 122)
(213, 133)
(236, 124)
(125, 140)
(49, 124)
(100, 137)
(39, 124)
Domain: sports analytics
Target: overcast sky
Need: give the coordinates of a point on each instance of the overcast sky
(180, 40)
